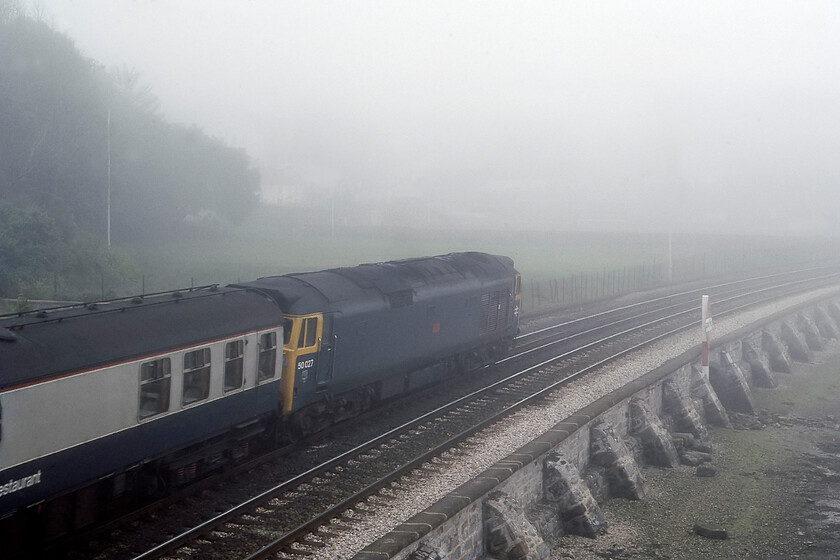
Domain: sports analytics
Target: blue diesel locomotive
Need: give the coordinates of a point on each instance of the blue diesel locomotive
(356, 336)
(140, 395)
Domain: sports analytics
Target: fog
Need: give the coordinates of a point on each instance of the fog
(687, 116)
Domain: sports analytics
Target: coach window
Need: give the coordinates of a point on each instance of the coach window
(196, 376)
(155, 378)
(233, 365)
(268, 356)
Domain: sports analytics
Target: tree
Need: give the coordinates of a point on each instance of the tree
(56, 139)
(55, 142)
(10, 10)
(29, 242)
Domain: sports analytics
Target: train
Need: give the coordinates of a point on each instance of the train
(105, 401)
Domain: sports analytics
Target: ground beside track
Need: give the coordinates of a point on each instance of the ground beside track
(776, 489)
(498, 441)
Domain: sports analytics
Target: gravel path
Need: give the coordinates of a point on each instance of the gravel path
(497, 442)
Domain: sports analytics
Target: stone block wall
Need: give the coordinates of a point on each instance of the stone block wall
(554, 484)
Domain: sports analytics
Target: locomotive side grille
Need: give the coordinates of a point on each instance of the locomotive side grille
(490, 310)
(402, 298)
(485, 312)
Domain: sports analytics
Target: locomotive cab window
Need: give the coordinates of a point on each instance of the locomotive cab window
(311, 331)
(287, 331)
(268, 356)
(155, 379)
(196, 376)
(234, 352)
(308, 333)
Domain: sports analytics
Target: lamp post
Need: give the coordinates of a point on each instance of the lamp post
(109, 179)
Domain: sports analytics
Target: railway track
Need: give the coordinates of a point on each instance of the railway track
(324, 492)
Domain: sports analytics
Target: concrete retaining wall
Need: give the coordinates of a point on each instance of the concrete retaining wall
(554, 484)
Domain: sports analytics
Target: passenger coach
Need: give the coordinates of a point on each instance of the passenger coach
(124, 390)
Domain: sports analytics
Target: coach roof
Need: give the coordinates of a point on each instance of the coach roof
(62, 341)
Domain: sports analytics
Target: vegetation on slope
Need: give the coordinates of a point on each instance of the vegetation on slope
(80, 144)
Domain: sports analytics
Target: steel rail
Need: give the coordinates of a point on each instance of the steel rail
(684, 293)
(692, 309)
(372, 488)
(284, 540)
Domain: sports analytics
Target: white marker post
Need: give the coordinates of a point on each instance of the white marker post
(706, 312)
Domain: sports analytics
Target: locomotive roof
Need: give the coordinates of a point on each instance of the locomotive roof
(40, 345)
(395, 281)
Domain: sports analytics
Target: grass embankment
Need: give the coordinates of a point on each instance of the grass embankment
(541, 257)
(558, 268)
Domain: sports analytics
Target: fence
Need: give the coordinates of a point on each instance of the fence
(542, 294)
(539, 293)
(579, 288)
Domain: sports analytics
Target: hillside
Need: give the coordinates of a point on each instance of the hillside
(84, 150)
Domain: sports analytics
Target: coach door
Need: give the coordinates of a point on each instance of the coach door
(267, 361)
(517, 297)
